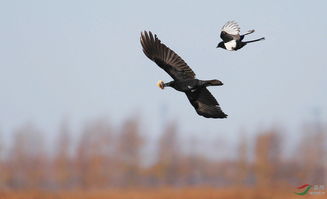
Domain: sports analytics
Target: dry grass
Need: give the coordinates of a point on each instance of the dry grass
(159, 193)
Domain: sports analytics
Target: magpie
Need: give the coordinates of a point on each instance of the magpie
(232, 40)
(184, 78)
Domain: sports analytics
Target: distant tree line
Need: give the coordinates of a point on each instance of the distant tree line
(106, 157)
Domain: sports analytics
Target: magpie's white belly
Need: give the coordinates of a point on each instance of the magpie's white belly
(230, 45)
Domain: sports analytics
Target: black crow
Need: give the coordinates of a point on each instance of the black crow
(184, 78)
(232, 40)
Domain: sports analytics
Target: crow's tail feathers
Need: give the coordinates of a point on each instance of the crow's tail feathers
(213, 82)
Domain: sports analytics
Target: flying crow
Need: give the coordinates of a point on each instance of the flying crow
(184, 78)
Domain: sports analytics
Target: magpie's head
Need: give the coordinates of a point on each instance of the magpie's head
(221, 45)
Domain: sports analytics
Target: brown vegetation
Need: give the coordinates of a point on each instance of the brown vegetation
(161, 193)
(108, 162)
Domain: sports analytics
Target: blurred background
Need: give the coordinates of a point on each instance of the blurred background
(79, 109)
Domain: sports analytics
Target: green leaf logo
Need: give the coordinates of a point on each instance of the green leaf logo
(307, 188)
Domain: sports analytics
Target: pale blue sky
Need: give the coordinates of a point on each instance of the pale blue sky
(83, 59)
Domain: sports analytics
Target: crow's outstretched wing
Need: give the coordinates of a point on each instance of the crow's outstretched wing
(205, 104)
(164, 57)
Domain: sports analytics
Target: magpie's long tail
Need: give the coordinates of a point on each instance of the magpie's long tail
(262, 38)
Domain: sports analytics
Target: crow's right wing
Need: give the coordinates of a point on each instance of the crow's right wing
(166, 58)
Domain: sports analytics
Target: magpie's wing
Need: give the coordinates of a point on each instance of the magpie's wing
(164, 57)
(205, 104)
(230, 31)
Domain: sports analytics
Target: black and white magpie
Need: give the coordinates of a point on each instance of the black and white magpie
(232, 40)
